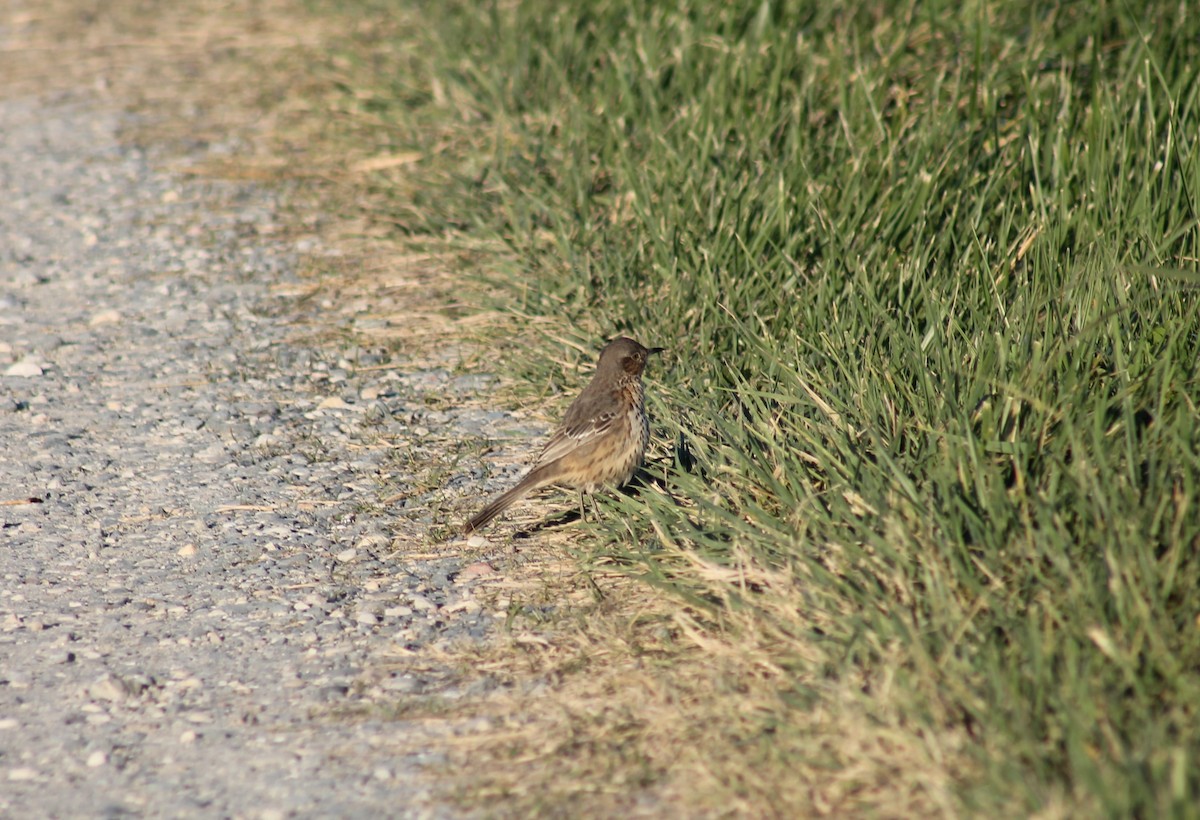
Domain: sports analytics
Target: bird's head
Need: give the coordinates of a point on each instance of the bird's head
(625, 355)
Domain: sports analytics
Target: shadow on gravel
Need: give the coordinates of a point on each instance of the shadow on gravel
(642, 479)
(554, 522)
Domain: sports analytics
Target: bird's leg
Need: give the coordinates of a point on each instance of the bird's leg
(595, 509)
(582, 513)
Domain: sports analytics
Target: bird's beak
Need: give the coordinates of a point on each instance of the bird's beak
(656, 350)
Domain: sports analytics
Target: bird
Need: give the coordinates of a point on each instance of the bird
(602, 438)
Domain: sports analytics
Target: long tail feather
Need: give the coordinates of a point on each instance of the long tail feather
(525, 486)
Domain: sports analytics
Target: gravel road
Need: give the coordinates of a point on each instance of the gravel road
(198, 616)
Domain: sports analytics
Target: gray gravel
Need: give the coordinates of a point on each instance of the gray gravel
(208, 603)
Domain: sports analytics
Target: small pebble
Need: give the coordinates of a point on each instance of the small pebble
(373, 540)
(421, 603)
(479, 569)
(24, 368)
(105, 317)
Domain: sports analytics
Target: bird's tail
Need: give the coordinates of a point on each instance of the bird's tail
(525, 486)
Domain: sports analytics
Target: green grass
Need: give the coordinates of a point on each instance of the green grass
(928, 277)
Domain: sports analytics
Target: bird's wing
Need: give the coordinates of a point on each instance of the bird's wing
(575, 433)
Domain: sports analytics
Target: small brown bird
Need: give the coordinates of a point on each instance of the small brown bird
(602, 438)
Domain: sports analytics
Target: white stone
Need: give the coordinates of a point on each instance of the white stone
(24, 368)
